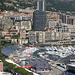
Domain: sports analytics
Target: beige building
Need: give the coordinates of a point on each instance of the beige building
(23, 25)
(1, 16)
(74, 20)
(14, 41)
(22, 34)
(32, 36)
(26, 25)
(71, 29)
(7, 22)
(4, 33)
(58, 35)
(52, 15)
(18, 25)
(23, 41)
(47, 36)
(8, 36)
(52, 23)
(40, 36)
(66, 36)
(13, 32)
(52, 35)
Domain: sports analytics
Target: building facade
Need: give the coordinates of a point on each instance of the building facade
(22, 34)
(32, 37)
(67, 19)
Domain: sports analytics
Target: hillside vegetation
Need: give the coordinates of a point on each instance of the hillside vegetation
(63, 5)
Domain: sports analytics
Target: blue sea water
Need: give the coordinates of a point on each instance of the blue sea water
(68, 73)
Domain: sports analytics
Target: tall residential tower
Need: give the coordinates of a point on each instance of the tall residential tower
(41, 5)
(39, 16)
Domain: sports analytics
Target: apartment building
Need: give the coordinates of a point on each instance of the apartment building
(22, 34)
(32, 37)
(13, 32)
(8, 37)
(40, 36)
(7, 22)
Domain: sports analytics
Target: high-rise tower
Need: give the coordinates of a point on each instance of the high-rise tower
(41, 5)
(39, 16)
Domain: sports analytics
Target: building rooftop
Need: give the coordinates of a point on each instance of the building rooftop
(7, 51)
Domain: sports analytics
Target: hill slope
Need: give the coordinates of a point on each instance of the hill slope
(64, 5)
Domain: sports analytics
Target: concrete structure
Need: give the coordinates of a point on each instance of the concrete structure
(8, 36)
(23, 24)
(64, 28)
(22, 34)
(13, 32)
(47, 36)
(71, 30)
(51, 24)
(66, 36)
(4, 33)
(18, 25)
(40, 36)
(7, 22)
(26, 25)
(0, 22)
(61, 28)
(58, 28)
(23, 41)
(32, 37)
(73, 21)
(14, 41)
(15, 18)
(58, 36)
(66, 19)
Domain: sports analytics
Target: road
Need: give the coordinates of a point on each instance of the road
(55, 71)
